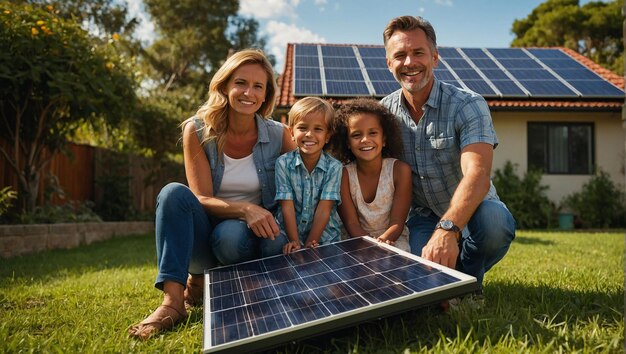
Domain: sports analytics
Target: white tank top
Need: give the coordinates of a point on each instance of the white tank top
(374, 217)
(240, 181)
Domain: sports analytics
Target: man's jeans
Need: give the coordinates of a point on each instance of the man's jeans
(188, 240)
(484, 241)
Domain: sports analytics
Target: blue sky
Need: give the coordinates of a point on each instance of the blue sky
(458, 23)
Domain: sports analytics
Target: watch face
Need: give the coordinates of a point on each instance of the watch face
(447, 224)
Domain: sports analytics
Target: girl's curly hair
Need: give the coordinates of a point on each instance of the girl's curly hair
(391, 130)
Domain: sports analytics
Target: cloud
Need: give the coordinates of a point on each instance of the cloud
(321, 4)
(280, 33)
(444, 2)
(268, 9)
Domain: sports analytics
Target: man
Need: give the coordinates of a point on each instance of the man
(456, 217)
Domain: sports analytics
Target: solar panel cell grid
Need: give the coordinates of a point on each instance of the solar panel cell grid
(251, 304)
(339, 51)
(304, 49)
(341, 62)
(307, 61)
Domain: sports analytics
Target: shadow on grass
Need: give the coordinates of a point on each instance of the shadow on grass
(532, 241)
(512, 314)
(121, 252)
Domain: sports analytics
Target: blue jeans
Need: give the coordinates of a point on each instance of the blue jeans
(188, 240)
(484, 241)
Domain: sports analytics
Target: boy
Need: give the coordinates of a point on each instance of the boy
(308, 179)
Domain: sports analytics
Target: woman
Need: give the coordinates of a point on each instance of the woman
(226, 214)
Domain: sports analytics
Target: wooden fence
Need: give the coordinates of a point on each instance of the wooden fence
(80, 174)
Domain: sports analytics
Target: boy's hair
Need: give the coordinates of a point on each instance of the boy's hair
(310, 105)
(391, 130)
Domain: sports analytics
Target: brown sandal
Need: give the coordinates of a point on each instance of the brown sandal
(160, 320)
(194, 293)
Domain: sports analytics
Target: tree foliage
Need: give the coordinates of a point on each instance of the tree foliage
(594, 29)
(53, 77)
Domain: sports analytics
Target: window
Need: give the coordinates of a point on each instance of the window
(561, 148)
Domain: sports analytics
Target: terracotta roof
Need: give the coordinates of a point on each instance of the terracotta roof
(286, 98)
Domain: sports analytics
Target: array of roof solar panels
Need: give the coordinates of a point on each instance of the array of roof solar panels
(354, 71)
(265, 302)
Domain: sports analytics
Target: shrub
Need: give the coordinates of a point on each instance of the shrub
(525, 197)
(71, 212)
(600, 204)
(6, 195)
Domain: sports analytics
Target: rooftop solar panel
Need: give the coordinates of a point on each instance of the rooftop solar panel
(337, 51)
(379, 63)
(307, 61)
(448, 53)
(305, 49)
(347, 88)
(380, 75)
(343, 74)
(266, 302)
(480, 87)
(383, 88)
(475, 53)
(341, 62)
(508, 88)
(541, 88)
(308, 87)
(548, 53)
(501, 72)
(444, 75)
(305, 73)
(508, 53)
(372, 52)
(593, 88)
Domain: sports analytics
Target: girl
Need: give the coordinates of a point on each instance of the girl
(375, 187)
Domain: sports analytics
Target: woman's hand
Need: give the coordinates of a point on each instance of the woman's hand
(261, 221)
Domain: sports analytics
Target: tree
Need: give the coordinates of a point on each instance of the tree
(53, 77)
(193, 39)
(594, 30)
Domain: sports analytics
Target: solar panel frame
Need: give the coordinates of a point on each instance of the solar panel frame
(408, 286)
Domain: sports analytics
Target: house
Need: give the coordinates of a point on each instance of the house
(552, 108)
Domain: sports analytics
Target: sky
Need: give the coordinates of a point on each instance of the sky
(458, 23)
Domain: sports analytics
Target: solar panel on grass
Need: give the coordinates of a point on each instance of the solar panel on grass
(266, 302)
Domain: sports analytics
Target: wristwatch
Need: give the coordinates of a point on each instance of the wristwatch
(448, 225)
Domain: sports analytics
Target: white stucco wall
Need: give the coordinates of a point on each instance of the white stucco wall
(511, 128)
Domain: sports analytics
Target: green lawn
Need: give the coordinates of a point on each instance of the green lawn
(553, 292)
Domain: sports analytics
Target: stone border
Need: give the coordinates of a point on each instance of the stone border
(18, 240)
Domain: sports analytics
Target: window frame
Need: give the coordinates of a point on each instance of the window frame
(546, 167)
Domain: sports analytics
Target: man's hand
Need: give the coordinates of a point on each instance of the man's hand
(442, 248)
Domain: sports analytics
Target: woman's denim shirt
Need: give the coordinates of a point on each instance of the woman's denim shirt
(264, 154)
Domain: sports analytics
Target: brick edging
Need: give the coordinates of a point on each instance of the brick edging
(17, 240)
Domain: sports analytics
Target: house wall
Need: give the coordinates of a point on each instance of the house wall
(511, 128)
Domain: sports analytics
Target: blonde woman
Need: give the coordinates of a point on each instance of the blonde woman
(226, 215)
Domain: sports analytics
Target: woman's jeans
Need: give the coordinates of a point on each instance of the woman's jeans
(484, 241)
(188, 240)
